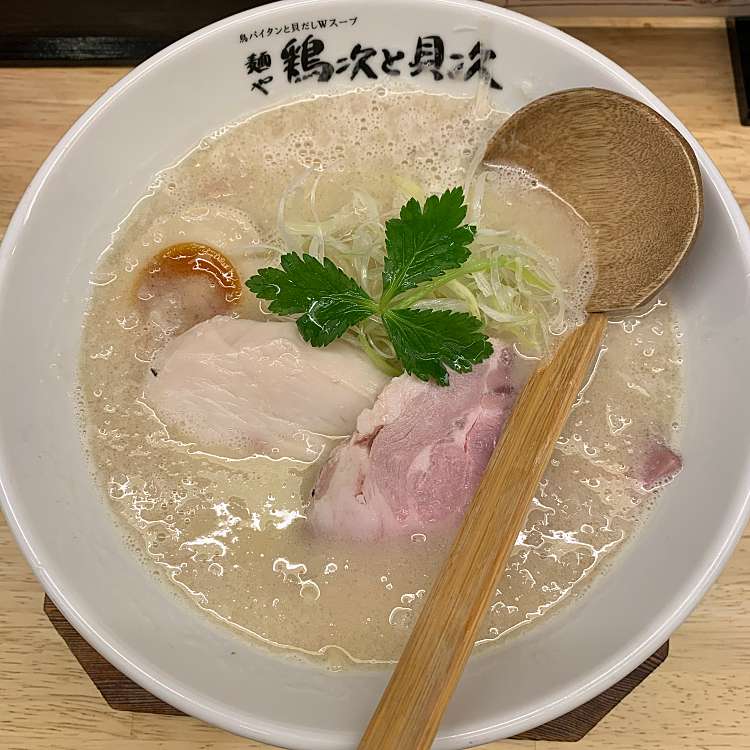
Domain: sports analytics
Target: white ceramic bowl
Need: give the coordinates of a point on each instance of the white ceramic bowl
(88, 184)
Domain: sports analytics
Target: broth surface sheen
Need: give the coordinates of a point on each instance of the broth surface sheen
(229, 530)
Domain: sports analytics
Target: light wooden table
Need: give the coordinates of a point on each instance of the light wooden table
(698, 700)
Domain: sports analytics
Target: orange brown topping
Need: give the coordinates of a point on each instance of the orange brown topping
(186, 284)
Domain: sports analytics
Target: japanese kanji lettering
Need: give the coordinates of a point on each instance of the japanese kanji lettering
(428, 55)
(305, 59)
(257, 63)
(358, 61)
(297, 26)
(481, 56)
(302, 61)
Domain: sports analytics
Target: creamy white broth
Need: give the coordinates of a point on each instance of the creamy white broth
(229, 531)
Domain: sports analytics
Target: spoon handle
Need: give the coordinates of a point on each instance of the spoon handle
(428, 671)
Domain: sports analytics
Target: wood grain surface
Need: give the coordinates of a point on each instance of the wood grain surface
(698, 700)
(567, 8)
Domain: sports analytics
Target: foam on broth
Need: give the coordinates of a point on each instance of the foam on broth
(231, 533)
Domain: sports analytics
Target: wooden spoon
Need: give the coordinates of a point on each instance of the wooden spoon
(636, 181)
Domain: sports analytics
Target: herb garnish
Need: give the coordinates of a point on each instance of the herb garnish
(421, 244)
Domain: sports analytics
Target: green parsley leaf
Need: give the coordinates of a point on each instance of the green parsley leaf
(329, 300)
(428, 341)
(424, 243)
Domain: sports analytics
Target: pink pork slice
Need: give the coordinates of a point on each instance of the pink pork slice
(661, 465)
(417, 455)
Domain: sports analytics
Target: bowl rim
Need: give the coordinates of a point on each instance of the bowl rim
(127, 663)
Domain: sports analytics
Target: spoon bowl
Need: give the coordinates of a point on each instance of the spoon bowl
(626, 170)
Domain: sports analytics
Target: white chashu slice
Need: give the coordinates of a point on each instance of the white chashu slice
(238, 387)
